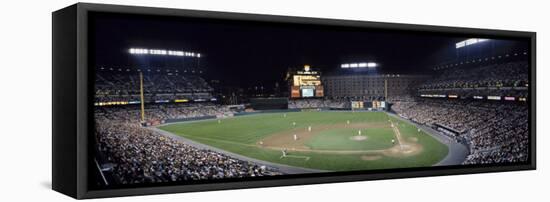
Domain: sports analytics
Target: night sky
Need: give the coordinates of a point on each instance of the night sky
(241, 53)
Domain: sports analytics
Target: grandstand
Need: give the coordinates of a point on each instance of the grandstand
(483, 104)
(503, 79)
(123, 86)
(495, 132)
(473, 110)
(135, 155)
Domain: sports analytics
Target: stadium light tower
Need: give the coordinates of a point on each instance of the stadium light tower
(369, 65)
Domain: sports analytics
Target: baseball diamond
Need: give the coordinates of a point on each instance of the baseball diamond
(331, 145)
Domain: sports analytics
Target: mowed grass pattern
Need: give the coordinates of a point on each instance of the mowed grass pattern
(240, 135)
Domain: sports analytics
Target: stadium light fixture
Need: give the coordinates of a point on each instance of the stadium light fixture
(359, 65)
(468, 42)
(460, 44)
(143, 51)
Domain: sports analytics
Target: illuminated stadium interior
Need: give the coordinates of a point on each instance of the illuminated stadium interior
(465, 96)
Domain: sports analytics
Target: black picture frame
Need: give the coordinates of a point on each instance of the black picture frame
(73, 109)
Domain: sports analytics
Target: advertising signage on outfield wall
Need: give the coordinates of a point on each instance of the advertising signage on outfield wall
(433, 96)
(477, 97)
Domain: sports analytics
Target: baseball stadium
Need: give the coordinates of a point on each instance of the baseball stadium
(182, 101)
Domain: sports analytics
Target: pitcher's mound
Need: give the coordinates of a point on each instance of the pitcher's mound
(370, 157)
(358, 138)
(408, 149)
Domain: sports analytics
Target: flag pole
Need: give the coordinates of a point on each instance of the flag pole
(141, 95)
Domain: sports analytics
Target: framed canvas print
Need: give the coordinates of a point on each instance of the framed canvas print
(154, 100)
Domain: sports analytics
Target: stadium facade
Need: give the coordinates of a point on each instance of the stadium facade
(371, 87)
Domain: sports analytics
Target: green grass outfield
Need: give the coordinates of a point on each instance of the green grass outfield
(241, 134)
(339, 139)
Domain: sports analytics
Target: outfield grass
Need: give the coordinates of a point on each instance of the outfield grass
(240, 135)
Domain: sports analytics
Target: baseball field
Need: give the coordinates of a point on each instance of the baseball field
(332, 141)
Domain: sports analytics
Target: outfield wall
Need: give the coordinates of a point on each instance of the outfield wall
(255, 112)
(189, 119)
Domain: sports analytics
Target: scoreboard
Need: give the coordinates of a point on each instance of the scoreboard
(370, 105)
(305, 83)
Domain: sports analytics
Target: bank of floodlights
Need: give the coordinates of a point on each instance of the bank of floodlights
(468, 42)
(359, 65)
(143, 51)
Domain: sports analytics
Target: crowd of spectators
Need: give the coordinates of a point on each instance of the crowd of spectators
(139, 155)
(162, 112)
(316, 103)
(496, 132)
(502, 75)
(505, 79)
(125, 86)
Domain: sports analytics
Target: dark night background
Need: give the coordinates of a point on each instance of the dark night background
(242, 53)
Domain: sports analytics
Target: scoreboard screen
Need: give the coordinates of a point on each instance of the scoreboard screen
(305, 83)
(306, 80)
(308, 92)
